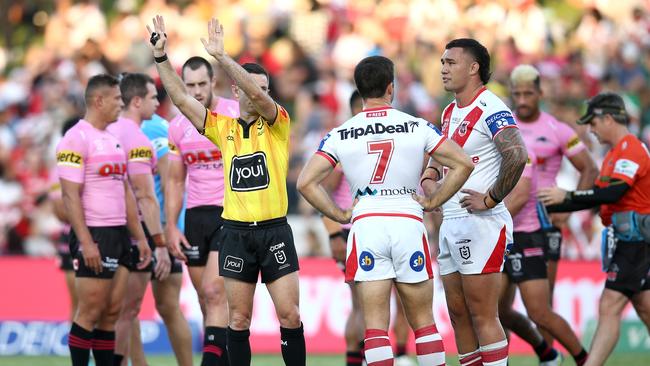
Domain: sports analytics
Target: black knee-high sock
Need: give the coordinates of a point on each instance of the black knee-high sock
(117, 359)
(293, 346)
(353, 358)
(545, 352)
(214, 347)
(581, 357)
(239, 347)
(103, 347)
(80, 343)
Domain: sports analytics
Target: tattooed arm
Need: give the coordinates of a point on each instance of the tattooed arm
(513, 160)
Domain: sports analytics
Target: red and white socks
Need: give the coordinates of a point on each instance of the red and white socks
(429, 347)
(377, 348)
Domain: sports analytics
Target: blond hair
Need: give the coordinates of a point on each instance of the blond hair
(524, 74)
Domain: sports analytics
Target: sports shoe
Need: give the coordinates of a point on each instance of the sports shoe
(404, 361)
(557, 361)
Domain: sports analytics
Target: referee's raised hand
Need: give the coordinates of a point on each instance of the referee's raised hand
(157, 37)
(214, 44)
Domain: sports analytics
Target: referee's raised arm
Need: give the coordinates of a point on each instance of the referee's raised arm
(190, 107)
(262, 101)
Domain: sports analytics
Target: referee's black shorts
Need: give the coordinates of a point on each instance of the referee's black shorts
(114, 250)
(629, 270)
(202, 226)
(526, 261)
(250, 248)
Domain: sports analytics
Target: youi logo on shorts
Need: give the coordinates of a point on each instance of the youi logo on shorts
(366, 261)
(249, 172)
(233, 264)
(417, 261)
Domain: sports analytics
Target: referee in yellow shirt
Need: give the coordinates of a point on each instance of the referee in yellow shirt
(255, 237)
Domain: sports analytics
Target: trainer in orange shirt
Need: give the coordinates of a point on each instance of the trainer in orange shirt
(623, 192)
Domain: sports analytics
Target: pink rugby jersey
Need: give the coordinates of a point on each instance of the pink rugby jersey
(205, 186)
(526, 220)
(95, 159)
(474, 127)
(138, 149)
(550, 139)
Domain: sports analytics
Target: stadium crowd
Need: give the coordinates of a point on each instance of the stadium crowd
(310, 49)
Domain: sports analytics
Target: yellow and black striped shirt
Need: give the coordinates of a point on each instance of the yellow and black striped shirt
(256, 160)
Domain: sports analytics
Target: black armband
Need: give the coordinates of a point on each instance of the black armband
(160, 59)
(437, 171)
(493, 198)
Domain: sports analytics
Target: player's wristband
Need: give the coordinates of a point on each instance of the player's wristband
(425, 178)
(437, 171)
(485, 202)
(492, 197)
(158, 240)
(336, 235)
(160, 59)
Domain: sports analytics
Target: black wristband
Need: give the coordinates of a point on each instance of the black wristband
(492, 197)
(160, 59)
(336, 234)
(437, 171)
(423, 179)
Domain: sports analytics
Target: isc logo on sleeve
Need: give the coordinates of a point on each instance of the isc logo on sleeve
(249, 172)
(69, 158)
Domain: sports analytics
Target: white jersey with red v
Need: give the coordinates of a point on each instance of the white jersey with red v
(381, 152)
(474, 127)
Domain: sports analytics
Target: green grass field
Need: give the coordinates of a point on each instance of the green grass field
(273, 360)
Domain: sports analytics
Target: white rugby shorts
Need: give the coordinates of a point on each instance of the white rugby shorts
(474, 244)
(388, 246)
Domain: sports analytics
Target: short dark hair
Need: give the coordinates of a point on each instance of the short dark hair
(354, 98)
(373, 75)
(195, 63)
(606, 103)
(68, 124)
(479, 53)
(97, 82)
(134, 85)
(253, 68)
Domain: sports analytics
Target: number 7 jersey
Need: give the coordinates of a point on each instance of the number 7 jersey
(382, 153)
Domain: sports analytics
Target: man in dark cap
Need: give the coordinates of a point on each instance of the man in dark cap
(622, 190)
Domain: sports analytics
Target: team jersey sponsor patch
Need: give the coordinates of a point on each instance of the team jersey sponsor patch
(159, 143)
(142, 153)
(500, 120)
(626, 167)
(249, 172)
(69, 158)
(172, 148)
(573, 142)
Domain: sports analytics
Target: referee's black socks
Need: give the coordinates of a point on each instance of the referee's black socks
(239, 347)
(214, 347)
(293, 346)
(80, 343)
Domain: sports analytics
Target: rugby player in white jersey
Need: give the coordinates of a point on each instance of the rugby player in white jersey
(476, 225)
(381, 151)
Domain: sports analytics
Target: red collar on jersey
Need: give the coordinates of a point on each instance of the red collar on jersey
(377, 109)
